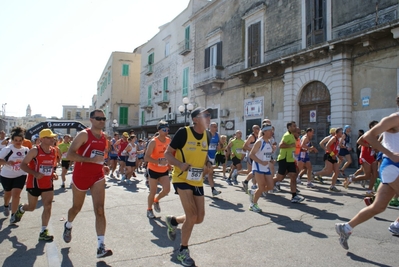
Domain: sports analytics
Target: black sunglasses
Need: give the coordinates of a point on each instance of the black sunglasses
(99, 118)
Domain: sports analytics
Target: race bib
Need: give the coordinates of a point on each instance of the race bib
(46, 170)
(240, 151)
(95, 153)
(303, 155)
(16, 167)
(372, 152)
(267, 156)
(213, 146)
(64, 155)
(162, 165)
(194, 174)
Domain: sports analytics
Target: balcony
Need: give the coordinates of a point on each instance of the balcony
(164, 103)
(147, 107)
(149, 69)
(210, 79)
(185, 47)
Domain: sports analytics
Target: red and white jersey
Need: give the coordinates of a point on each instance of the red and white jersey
(43, 163)
(91, 148)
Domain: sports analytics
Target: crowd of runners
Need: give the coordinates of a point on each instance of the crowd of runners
(194, 155)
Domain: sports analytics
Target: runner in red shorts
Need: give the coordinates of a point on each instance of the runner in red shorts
(87, 151)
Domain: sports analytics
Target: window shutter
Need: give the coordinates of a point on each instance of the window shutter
(187, 38)
(207, 58)
(249, 46)
(149, 95)
(185, 82)
(219, 54)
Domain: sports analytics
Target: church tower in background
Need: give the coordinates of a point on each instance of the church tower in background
(28, 111)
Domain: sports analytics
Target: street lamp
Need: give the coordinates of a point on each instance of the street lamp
(114, 125)
(186, 109)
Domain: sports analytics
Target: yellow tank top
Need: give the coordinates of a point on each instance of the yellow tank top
(195, 153)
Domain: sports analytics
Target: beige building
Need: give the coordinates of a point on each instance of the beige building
(75, 113)
(118, 90)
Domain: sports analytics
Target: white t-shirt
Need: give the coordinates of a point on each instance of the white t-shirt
(10, 153)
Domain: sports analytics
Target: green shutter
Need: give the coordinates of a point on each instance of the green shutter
(165, 88)
(151, 59)
(125, 70)
(149, 96)
(123, 115)
(185, 82)
(187, 38)
(142, 117)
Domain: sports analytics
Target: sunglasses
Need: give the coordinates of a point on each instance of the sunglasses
(99, 118)
(206, 115)
(165, 130)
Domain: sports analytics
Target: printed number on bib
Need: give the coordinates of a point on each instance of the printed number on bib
(95, 153)
(212, 146)
(16, 167)
(194, 174)
(46, 170)
(267, 156)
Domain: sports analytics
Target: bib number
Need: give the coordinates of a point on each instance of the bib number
(212, 146)
(97, 153)
(194, 174)
(267, 156)
(16, 167)
(46, 170)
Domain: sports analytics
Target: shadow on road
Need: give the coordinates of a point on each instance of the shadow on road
(361, 259)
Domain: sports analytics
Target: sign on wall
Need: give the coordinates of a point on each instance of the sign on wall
(312, 115)
(365, 101)
(253, 108)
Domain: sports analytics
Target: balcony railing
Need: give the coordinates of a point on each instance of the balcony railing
(209, 74)
(185, 47)
(149, 69)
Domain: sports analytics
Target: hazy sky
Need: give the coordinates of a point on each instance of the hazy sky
(52, 52)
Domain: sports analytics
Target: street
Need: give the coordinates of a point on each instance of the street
(284, 234)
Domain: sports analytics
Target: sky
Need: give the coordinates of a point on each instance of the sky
(52, 52)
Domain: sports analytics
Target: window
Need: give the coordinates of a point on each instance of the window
(315, 22)
(187, 38)
(109, 77)
(69, 115)
(167, 49)
(142, 117)
(149, 95)
(213, 55)
(151, 59)
(165, 89)
(123, 115)
(214, 113)
(254, 34)
(125, 70)
(78, 116)
(87, 115)
(185, 82)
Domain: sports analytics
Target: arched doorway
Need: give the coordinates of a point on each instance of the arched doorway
(315, 110)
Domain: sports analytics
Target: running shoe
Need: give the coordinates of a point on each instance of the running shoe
(245, 186)
(157, 207)
(343, 235)
(254, 207)
(229, 181)
(298, 180)
(63, 186)
(150, 214)
(369, 194)
(251, 196)
(216, 192)
(394, 202)
(297, 199)
(334, 189)
(254, 186)
(235, 181)
(368, 201)
(348, 181)
(393, 229)
(6, 211)
(310, 185)
(67, 235)
(363, 183)
(44, 236)
(171, 233)
(102, 252)
(277, 187)
(17, 215)
(184, 257)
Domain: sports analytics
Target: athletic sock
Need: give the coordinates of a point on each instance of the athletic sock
(246, 182)
(68, 225)
(293, 194)
(348, 228)
(183, 247)
(174, 222)
(43, 228)
(100, 240)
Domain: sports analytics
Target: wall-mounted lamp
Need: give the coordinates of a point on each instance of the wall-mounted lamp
(255, 73)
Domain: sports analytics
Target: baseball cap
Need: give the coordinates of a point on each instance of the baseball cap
(46, 133)
(125, 134)
(267, 127)
(199, 110)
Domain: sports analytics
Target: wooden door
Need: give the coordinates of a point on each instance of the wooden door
(315, 100)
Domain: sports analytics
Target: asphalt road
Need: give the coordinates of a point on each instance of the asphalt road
(284, 234)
